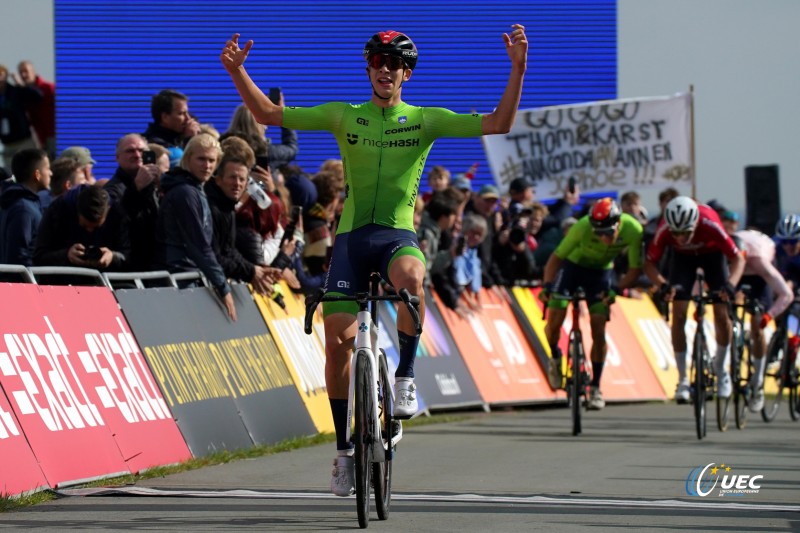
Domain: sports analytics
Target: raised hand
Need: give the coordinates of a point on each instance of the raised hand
(232, 56)
(517, 46)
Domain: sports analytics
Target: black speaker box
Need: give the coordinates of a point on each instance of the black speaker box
(762, 197)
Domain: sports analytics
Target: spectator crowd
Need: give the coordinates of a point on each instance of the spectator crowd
(234, 206)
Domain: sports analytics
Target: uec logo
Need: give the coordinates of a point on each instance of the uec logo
(701, 481)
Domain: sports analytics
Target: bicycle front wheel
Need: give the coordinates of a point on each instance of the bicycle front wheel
(741, 384)
(699, 382)
(382, 471)
(363, 436)
(774, 373)
(576, 356)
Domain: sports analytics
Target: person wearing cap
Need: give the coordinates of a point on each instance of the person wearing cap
(486, 203)
(584, 259)
(83, 156)
(384, 143)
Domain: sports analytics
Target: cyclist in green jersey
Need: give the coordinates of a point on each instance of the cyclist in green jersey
(585, 258)
(384, 143)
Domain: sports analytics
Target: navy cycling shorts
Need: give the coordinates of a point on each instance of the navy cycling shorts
(594, 281)
(365, 250)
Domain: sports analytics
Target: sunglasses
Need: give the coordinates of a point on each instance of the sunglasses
(681, 233)
(606, 232)
(790, 242)
(376, 61)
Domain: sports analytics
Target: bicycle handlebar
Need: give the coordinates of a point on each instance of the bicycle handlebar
(363, 298)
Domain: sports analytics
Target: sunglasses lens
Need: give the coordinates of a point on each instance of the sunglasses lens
(392, 62)
(790, 242)
(680, 233)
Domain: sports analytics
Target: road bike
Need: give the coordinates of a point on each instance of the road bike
(702, 379)
(781, 369)
(370, 401)
(741, 356)
(575, 369)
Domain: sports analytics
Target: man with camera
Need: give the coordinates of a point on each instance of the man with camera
(81, 228)
(585, 259)
(134, 186)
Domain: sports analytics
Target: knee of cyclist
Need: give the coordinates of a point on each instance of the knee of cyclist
(411, 280)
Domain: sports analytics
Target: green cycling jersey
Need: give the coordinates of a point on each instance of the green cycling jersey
(383, 153)
(582, 247)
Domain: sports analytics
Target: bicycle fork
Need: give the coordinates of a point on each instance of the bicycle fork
(365, 343)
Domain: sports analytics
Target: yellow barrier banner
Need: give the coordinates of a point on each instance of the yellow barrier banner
(303, 354)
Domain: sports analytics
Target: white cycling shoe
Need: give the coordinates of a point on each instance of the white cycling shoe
(683, 392)
(343, 477)
(757, 401)
(405, 398)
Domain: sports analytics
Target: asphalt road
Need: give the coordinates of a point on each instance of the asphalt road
(516, 470)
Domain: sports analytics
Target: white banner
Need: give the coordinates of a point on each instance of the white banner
(615, 145)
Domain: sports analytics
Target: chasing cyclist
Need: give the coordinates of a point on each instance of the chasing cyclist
(585, 259)
(695, 234)
(767, 286)
(384, 144)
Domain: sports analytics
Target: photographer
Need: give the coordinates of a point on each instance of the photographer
(83, 228)
(515, 243)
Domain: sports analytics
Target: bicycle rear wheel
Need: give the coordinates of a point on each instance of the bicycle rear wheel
(576, 355)
(774, 373)
(794, 391)
(363, 436)
(699, 382)
(382, 471)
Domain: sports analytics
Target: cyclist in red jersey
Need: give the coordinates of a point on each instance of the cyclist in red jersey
(698, 240)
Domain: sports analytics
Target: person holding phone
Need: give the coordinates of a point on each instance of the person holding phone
(82, 228)
(384, 143)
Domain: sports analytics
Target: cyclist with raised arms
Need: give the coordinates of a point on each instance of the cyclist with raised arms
(384, 143)
(698, 240)
(585, 259)
(767, 286)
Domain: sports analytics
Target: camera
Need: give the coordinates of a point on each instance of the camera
(92, 253)
(518, 223)
(149, 157)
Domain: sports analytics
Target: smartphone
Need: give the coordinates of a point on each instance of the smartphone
(92, 253)
(262, 161)
(571, 185)
(275, 95)
(149, 157)
(297, 212)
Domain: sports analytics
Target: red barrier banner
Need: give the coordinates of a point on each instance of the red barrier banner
(19, 471)
(497, 354)
(79, 386)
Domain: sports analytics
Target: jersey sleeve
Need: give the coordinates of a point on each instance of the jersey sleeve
(325, 117)
(440, 122)
(634, 242)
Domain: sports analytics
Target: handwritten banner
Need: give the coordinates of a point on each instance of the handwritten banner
(611, 145)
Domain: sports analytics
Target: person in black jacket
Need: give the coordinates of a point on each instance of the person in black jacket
(223, 192)
(21, 208)
(184, 230)
(172, 124)
(82, 228)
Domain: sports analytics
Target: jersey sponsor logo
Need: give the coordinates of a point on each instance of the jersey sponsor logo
(362, 121)
(343, 284)
(352, 138)
(406, 129)
(402, 120)
(398, 143)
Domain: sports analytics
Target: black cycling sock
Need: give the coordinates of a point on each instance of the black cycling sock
(339, 412)
(408, 352)
(597, 372)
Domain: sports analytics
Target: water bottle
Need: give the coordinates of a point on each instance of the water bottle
(257, 193)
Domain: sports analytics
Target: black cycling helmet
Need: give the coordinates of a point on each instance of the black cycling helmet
(605, 215)
(393, 43)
